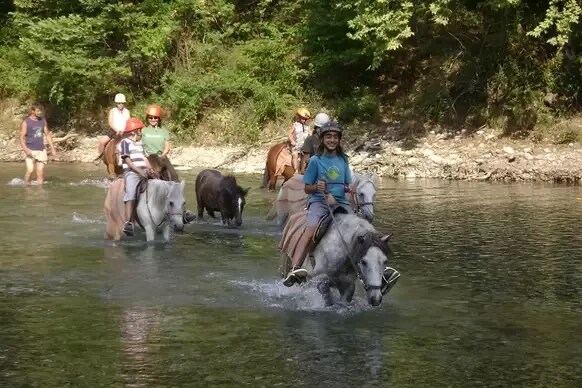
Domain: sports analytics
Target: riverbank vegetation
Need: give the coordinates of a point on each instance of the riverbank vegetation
(228, 69)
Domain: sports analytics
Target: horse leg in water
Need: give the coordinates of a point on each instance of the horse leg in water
(346, 289)
(150, 232)
(166, 231)
(323, 286)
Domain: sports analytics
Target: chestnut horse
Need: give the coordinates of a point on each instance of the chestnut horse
(278, 165)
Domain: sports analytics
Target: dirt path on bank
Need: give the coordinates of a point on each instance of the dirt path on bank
(480, 157)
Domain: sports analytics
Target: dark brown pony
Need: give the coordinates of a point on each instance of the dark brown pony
(219, 193)
(278, 165)
(162, 167)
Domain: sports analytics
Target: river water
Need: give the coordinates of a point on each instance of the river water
(490, 294)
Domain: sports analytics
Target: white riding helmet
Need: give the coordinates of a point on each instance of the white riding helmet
(119, 98)
(320, 119)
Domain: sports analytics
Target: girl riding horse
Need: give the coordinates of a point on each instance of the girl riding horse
(325, 180)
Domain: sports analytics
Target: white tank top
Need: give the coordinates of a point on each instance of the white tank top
(120, 117)
(301, 132)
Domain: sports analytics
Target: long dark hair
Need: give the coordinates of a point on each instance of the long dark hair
(339, 150)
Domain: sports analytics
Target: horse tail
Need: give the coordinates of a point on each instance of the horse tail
(265, 177)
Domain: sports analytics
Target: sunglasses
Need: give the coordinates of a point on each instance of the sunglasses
(152, 118)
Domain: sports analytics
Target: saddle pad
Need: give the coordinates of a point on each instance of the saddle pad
(292, 233)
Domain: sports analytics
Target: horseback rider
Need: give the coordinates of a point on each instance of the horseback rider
(312, 142)
(116, 120)
(135, 168)
(298, 133)
(326, 180)
(156, 141)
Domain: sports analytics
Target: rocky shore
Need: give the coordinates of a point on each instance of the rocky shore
(482, 156)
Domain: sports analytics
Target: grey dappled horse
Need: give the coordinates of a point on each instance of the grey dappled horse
(160, 206)
(292, 198)
(350, 245)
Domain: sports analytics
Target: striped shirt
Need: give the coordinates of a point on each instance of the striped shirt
(133, 150)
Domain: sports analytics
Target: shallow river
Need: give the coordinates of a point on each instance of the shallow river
(490, 294)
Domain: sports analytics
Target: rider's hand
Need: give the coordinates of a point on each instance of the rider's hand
(144, 173)
(351, 188)
(28, 152)
(321, 185)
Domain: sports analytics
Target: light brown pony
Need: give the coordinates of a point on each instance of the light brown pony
(278, 165)
(109, 157)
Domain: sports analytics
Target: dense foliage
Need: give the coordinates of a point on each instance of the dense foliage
(231, 66)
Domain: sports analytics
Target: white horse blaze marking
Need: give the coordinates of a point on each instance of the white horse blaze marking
(239, 204)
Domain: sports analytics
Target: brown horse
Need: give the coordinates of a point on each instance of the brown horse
(162, 167)
(109, 157)
(278, 165)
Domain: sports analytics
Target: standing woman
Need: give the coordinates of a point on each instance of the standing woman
(116, 120)
(156, 140)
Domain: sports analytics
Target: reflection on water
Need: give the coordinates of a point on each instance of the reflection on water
(490, 294)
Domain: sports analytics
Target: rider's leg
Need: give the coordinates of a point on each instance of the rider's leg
(131, 182)
(103, 140)
(315, 213)
(295, 160)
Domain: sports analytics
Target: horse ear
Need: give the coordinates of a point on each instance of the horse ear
(386, 237)
(246, 191)
(182, 183)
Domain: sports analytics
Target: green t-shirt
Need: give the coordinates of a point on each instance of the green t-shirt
(154, 139)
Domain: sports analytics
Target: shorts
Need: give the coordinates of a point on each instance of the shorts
(131, 180)
(38, 156)
(317, 210)
(297, 149)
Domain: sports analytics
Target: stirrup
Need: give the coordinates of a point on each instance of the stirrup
(389, 279)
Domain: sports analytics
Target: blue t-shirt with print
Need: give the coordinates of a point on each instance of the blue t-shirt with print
(334, 170)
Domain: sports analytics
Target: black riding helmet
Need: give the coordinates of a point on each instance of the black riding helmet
(330, 126)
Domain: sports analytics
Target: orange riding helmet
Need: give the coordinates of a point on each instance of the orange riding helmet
(154, 110)
(133, 124)
(303, 112)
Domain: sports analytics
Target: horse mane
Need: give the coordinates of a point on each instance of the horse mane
(229, 184)
(367, 241)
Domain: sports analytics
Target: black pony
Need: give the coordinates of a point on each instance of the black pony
(219, 193)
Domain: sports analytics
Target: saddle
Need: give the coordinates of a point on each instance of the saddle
(324, 224)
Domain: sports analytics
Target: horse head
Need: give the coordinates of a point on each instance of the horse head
(233, 198)
(176, 205)
(365, 195)
(371, 255)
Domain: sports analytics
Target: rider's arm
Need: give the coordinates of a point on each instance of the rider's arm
(133, 167)
(110, 120)
(292, 135)
(167, 148)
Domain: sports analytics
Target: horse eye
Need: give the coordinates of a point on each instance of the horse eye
(171, 203)
(364, 263)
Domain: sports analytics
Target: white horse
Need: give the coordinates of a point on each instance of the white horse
(292, 198)
(160, 206)
(350, 249)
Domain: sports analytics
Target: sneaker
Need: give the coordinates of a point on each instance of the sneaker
(128, 228)
(189, 216)
(389, 279)
(294, 275)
